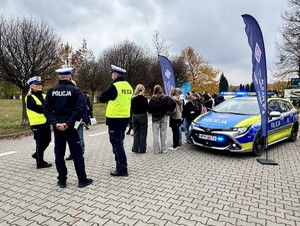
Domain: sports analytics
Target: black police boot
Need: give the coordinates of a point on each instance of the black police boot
(44, 165)
(85, 183)
(69, 157)
(61, 184)
(119, 173)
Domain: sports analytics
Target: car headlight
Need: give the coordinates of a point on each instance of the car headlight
(193, 124)
(241, 130)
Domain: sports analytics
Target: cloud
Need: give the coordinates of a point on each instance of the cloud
(214, 28)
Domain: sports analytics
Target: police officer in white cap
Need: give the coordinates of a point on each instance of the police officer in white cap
(38, 122)
(64, 105)
(118, 98)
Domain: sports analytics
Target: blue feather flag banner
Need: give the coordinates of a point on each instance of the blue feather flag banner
(167, 74)
(259, 68)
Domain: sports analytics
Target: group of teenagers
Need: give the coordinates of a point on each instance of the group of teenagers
(175, 111)
(64, 106)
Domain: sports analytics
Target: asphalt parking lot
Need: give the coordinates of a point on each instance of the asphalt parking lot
(189, 186)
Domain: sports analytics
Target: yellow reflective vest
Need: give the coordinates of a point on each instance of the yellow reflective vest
(34, 117)
(120, 107)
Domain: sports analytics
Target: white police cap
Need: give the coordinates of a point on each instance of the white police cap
(64, 71)
(118, 70)
(34, 80)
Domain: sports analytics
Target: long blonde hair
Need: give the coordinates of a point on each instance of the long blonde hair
(139, 90)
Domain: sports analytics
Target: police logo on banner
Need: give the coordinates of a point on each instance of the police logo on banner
(168, 73)
(257, 53)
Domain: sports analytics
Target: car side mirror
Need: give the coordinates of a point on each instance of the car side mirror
(274, 114)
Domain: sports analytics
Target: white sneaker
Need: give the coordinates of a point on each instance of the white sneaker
(172, 149)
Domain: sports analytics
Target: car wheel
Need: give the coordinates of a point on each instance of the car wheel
(258, 145)
(294, 133)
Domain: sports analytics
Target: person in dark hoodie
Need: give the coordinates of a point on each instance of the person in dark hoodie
(84, 122)
(160, 107)
(191, 110)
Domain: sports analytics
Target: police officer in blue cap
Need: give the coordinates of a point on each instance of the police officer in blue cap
(64, 105)
(37, 120)
(118, 98)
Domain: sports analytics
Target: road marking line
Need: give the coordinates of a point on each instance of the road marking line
(7, 153)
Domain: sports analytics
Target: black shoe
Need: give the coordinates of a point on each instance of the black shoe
(34, 155)
(85, 183)
(61, 184)
(44, 165)
(119, 174)
(69, 158)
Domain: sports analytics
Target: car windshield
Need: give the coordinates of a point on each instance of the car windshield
(243, 106)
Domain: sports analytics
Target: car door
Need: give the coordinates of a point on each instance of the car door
(276, 125)
(287, 114)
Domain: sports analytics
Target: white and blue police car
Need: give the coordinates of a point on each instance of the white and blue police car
(235, 124)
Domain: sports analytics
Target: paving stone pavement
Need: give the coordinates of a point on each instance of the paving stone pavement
(190, 186)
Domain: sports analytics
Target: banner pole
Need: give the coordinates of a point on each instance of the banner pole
(266, 161)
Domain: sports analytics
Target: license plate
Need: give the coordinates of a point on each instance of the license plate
(207, 137)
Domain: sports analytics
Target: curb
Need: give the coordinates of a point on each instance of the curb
(15, 135)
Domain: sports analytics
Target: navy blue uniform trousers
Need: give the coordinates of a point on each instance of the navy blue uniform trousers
(71, 136)
(116, 129)
(42, 137)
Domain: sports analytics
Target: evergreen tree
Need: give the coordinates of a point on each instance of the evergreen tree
(223, 84)
(247, 89)
(242, 88)
(252, 87)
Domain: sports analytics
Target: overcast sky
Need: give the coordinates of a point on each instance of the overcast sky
(214, 28)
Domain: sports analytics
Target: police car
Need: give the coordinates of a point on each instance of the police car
(235, 125)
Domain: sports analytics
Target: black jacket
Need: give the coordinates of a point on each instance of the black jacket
(64, 104)
(160, 105)
(139, 105)
(191, 110)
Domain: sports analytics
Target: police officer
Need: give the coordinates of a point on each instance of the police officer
(84, 120)
(118, 96)
(38, 122)
(63, 107)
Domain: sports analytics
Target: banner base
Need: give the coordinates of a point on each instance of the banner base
(267, 162)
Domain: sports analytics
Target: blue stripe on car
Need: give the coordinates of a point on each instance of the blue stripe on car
(214, 120)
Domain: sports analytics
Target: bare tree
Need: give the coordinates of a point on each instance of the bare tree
(28, 47)
(65, 54)
(288, 49)
(82, 55)
(130, 57)
(92, 77)
(159, 44)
